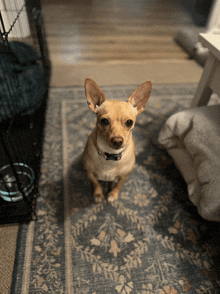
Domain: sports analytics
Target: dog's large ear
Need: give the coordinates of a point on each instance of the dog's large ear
(140, 96)
(94, 94)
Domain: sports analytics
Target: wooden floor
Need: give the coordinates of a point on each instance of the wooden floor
(112, 31)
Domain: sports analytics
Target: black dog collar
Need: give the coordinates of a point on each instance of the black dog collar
(108, 156)
(114, 157)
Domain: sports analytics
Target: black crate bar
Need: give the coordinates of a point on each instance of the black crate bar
(21, 137)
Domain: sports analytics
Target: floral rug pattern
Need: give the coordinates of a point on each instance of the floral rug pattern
(150, 241)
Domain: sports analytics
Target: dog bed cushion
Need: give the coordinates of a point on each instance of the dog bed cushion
(22, 80)
(192, 138)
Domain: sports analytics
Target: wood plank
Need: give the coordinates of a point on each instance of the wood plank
(107, 31)
(123, 72)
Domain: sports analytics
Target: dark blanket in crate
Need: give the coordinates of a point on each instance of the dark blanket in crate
(22, 80)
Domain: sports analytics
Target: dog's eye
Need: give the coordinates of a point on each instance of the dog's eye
(129, 123)
(104, 122)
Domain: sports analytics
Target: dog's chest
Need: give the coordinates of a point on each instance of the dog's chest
(107, 170)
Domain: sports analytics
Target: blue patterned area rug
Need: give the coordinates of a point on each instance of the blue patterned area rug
(151, 241)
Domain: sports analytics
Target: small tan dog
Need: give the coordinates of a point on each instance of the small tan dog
(109, 153)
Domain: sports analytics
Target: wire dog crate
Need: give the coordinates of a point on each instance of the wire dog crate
(24, 81)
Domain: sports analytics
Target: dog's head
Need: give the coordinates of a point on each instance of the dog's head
(116, 119)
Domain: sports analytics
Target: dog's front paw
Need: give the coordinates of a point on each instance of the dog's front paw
(112, 197)
(98, 198)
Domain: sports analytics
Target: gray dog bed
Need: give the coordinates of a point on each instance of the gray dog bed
(187, 38)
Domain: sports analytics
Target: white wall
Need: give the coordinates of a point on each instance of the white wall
(9, 10)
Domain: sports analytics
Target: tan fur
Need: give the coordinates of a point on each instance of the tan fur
(114, 138)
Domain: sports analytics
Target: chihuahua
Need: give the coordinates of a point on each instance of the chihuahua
(109, 154)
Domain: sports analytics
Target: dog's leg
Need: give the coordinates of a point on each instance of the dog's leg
(113, 194)
(98, 193)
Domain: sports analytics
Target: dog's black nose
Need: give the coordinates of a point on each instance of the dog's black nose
(117, 141)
